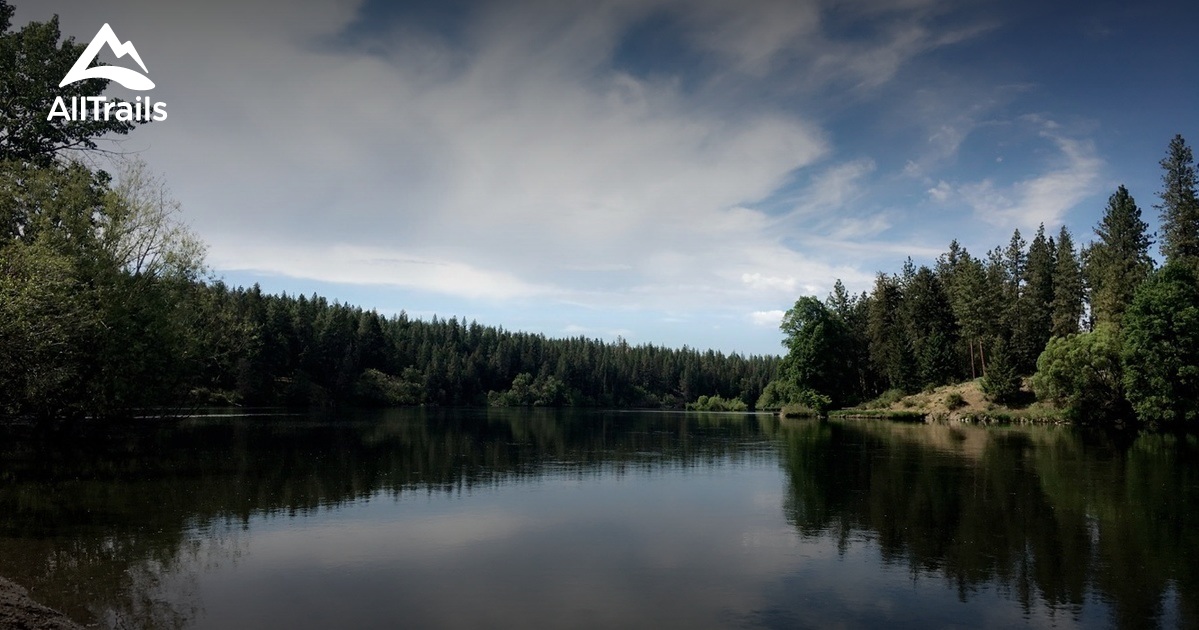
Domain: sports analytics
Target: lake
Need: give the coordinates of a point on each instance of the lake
(509, 518)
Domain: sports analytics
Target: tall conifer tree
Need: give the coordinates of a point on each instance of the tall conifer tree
(1067, 287)
(1180, 205)
(1119, 261)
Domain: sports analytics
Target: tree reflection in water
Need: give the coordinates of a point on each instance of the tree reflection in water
(1043, 513)
(116, 525)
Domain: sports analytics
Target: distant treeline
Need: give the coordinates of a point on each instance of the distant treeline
(307, 351)
(1103, 333)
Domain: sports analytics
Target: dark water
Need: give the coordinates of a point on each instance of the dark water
(497, 519)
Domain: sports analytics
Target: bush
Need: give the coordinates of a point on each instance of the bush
(798, 411)
(954, 400)
(885, 399)
(717, 403)
(1083, 374)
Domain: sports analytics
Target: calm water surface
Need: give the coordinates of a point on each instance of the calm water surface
(486, 519)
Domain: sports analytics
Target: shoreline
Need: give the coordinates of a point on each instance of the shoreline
(19, 611)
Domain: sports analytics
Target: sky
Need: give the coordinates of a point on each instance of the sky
(664, 171)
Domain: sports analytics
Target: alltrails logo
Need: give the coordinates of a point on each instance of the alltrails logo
(99, 107)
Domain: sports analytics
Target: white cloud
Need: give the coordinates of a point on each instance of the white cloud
(760, 282)
(351, 264)
(941, 192)
(832, 190)
(767, 318)
(1044, 198)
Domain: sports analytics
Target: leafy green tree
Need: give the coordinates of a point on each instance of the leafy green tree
(777, 393)
(32, 63)
(1083, 373)
(1067, 287)
(1161, 347)
(1118, 262)
(58, 205)
(1180, 205)
(815, 339)
(45, 323)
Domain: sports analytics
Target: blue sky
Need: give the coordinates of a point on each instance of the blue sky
(672, 172)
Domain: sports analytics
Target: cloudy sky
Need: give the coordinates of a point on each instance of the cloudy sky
(673, 172)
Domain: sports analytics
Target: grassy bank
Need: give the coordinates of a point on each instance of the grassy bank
(960, 402)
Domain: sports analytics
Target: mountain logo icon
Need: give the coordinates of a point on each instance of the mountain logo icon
(127, 77)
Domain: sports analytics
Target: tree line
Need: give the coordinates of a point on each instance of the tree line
(1102, 331)
(306, 351)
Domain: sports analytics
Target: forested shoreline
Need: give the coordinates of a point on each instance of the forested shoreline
(1102, 331)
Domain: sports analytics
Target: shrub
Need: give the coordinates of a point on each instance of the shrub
(886, 399)
(1083, 374)
(954, 400)
(798, 411)
(717, 403)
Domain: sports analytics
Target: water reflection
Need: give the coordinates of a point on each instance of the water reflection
(1047, 515)
(95, 523)
(503, 517)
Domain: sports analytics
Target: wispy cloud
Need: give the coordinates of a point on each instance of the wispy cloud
(512, 159)
(767, 318)
(1044, 198)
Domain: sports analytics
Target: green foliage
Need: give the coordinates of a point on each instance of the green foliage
(776, 394)
(815, 401)
(889, 336)
(954, 400)
(376, 389)
(716, 403)
(1067, 287)
(45, 325)
(1180, 206)
(814, 337)
(526, 391)
(1032, 330)
(1161, 347)
(1119, 262)
(32, 63)
(1001, 383)
(1083, 374)
(885, 399)
(781, 394)
(931, 328)
(796, 410)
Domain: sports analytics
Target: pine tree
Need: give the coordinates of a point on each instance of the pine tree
(1067, 287)
(1032, 331)
(931, 327)
(1119, 262)
(976, 302)
(890, 345)
(1180, 206)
